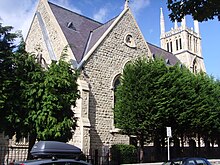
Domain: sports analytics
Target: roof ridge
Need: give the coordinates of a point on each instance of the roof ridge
(112, 25)
(110, 21)
(158, 47)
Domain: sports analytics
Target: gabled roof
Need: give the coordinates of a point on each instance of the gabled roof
(96, 34)
(161, 53)
(83, 33)
(75, 27)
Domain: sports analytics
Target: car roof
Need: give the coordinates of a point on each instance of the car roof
(45, 161)
(54, 148)
(185, 159)
(50, 152)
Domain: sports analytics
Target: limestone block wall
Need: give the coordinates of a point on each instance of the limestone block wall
(81, 136)
(35, 40)
(187, 59)
(100, 70)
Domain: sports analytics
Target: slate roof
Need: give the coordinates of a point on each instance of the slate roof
(161, 53)
(97, 33)
(78, 32)
(82, 33)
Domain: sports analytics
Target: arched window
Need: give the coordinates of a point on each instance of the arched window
(115, 85)
(195, 66)
(177, 46)
(180, 42)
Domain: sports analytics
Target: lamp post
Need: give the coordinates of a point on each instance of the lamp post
(169, 135)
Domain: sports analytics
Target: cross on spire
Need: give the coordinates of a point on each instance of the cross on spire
(126, 3)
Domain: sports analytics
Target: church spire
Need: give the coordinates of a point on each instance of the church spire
(175, 24)
(183, 22)
(196, 26)
(162, 23)
(126, 4)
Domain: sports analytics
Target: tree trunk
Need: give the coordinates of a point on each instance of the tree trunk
(157, 146)
(141, 151)
(32, 140)
(176, 152)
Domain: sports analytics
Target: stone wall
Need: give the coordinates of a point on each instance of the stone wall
(37, 37)
(95, 108)
(100, 70)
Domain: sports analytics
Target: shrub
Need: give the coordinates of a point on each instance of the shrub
(123, 153)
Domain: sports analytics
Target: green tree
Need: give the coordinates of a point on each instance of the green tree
(207, 111)
(201, 10)
(35, 101)
(173, 97)
(136, 99)
(50, 103)
(6, 52)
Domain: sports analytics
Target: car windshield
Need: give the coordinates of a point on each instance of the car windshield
(174, 162)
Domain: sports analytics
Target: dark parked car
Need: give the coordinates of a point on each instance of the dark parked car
(187, 161)
(54, 153)
(53, 162)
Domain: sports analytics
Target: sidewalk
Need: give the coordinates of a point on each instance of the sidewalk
(212, 161)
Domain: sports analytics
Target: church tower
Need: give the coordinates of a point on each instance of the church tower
(184, 43)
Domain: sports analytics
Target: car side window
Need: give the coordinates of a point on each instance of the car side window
(55, 163)
(201, 162)
(190, 162)
(64, 163)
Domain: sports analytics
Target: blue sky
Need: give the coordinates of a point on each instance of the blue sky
(147, 13)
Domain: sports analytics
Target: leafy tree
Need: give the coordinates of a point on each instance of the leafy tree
(35, 101)
(6, 51)
(60, 94)
(173, 98)
(153, 96)
(208, 111)
(201, 10)
(136, 99)
(50, 103)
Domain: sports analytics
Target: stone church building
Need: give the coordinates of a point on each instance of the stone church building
(100, 52)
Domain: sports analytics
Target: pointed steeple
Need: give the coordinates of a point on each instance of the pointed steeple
(183, 22)
(175, 24)
(162, 23)
(126, 4)
(196, 26)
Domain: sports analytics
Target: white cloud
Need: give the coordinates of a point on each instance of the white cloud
(137, 5)
(18, 14)
(101, 15)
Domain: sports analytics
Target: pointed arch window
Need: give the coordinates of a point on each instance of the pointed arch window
(180, 42)
(177, 47)
(190, 42)
(171, 46)
(116, 83)
(195, 66)
(168, 47)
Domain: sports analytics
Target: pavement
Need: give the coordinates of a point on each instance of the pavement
(212, 161)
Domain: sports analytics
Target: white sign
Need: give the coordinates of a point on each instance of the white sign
(169, 133)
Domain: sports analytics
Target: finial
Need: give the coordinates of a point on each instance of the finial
(175, 24)
(162, 22)
(126, 4)
(196, 27)
(183, 22)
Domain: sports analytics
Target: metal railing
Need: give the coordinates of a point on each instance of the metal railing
(10, 154)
